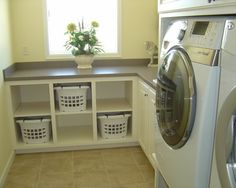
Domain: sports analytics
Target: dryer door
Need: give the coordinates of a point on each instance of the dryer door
(225, 142)
(176, 97)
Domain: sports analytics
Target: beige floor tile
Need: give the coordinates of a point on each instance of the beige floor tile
(117, 159)
(88, 161)
(56, 180)
(133, 185)
(91, 179)
(59, 177)
(21, 158)
(91, 186)
(146, 185)
(28, 169)
(55, 185)
(26, 165)
(136, 149)
(21, 181)
(87, 153)
(115, 185)
(57, 155)
(57, 165)
(125, 175)
(148, 173)
(88, 165)
(118, 150)
(140, 158)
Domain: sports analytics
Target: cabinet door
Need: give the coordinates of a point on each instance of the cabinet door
(147, 121)
(152, 126)
(143, 116)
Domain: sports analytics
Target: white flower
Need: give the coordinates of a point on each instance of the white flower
(81, 37)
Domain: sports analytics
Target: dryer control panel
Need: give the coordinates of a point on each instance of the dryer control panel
(201, 32)
(205, 33)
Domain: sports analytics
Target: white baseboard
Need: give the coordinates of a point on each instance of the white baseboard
(8, 165)
(81, 147)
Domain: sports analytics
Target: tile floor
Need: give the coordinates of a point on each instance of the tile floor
(104, 168)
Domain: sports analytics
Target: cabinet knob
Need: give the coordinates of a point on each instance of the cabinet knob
(145, 94)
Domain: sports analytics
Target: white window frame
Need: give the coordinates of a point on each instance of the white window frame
(70, 56)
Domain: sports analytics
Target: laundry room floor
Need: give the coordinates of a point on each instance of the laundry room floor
(103, 168)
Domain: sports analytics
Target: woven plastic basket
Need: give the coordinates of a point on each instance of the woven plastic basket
(113, 126)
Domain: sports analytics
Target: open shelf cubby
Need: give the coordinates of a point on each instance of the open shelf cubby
(30, 100)
(114, 96)
(74, 128)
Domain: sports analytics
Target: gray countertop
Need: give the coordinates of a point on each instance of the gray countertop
(62, 70)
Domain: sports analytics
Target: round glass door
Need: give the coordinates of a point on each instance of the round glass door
(225, 141)
(230, 150)
(176, 98)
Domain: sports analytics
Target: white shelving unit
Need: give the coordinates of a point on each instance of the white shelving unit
(37, 99)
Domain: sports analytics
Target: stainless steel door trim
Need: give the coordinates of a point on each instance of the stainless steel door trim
(188, 63)
(225, 171)
(230, 150)
(192, 97)
(230, 137)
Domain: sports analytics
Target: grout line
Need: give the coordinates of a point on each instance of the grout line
(73, 168)
(40, 170)
(136, 164)
(106, 171)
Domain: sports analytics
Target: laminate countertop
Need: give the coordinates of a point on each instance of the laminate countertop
(63, 70)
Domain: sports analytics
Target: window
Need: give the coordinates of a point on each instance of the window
(60, 13)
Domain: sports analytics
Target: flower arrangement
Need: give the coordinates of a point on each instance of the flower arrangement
(83, 41)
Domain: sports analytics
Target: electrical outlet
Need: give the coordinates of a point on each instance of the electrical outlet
(25, 50)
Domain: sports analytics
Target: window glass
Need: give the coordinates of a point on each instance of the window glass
(60, 13)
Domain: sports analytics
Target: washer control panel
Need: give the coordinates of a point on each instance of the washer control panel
(205, 33)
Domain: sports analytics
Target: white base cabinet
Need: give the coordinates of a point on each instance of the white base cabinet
(78, 129)
(147, 120)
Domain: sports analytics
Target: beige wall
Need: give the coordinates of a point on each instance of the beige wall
(5, 60)
(139, 24)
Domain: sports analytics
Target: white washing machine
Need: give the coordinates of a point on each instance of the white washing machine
(187, 94)
(224, 159)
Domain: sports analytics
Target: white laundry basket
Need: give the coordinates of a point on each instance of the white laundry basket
(71, 98)
(35, 131)
(113, 126)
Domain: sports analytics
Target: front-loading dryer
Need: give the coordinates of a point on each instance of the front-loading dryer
(223, 173)
(186, 100)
